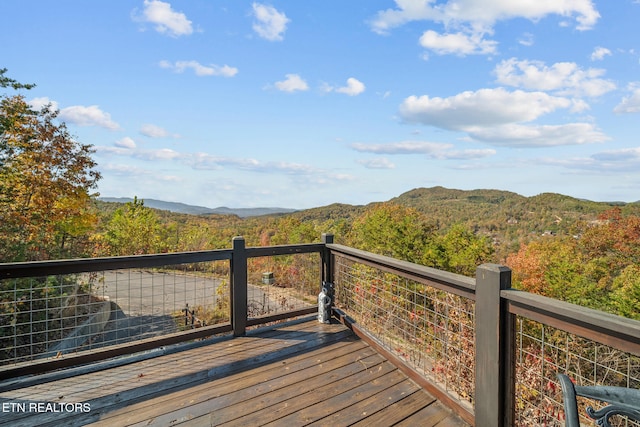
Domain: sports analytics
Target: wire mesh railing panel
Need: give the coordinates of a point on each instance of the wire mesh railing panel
(53, 315)
(282, 283)
(38, 313)
(431, 330)
(543, 351)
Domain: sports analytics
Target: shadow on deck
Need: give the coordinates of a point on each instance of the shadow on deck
(298, 373)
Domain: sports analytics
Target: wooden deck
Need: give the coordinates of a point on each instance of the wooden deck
(301, 373)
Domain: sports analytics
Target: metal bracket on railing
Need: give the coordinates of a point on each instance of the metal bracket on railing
(325, 301)
(190, 318)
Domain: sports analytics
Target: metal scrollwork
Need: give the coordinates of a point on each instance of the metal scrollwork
(602, 416)
(623, 402)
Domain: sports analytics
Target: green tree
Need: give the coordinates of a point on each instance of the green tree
(291, 230)
(46, 178)
(459, 250)
(134, 229)
(393, 230)
(9, 82)
(626, 296)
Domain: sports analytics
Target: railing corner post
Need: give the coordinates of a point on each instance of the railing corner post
(238, 288)
(494, 348)
(327, 259)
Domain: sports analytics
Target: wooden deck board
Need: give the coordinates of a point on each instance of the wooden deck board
(225, 394)
(296, 374)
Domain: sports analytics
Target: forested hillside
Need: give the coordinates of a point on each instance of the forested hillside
(576, 250)
(508, 218)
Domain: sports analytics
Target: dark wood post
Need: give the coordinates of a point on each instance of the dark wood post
(327, 259)
(238, 287)
(495, 329)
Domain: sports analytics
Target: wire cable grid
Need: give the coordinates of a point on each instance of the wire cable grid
(282, 283)
(431, 330)
(49, 316)
(543, 351)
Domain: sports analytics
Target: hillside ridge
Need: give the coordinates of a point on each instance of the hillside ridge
(178, 207)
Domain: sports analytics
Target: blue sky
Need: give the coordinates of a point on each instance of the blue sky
(304, 103)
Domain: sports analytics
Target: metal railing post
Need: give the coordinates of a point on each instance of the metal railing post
(326, 271)
(495, 340)
(238, 288)
(327, 259)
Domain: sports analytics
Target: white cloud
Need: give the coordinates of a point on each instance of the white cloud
(166, 20)
(496, 117)
(467, 22)
(381, 163)
(153, 131)
(563, 78)
(125, 142)
(466, 154)
(631, 103)
(206, 161)
(578, 105)
(115, 150)
(160, 154)
(457, 43)
(516, 135)
(623, 154)
(304, 173)
(481, 15)
(77, 114)
(270, 24)
(407, 11)
(599, 53)
(435, 150)
(526, 39)
(88, 116)
(127, 147)
(199, 69)
(39, 103)
(353, 87)
(124, 170)
(610, 162)
(405, 147)
(292, 83)
(483, 108)
(170, 178)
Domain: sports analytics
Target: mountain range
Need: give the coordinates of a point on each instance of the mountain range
(200, 210)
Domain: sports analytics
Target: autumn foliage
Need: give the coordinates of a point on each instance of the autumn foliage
(596, 267)
(46, 178)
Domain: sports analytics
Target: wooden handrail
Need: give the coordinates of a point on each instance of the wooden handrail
(454, 283)
(604, 328)
(85, 265)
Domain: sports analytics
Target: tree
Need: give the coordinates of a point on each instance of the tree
(626, 294)
(459, 250)
(597, 267)
(134, 229)
(45, 180)
(8, 82)
(393, 230)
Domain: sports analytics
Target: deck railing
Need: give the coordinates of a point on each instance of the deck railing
(62, 313)
(488, 351)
